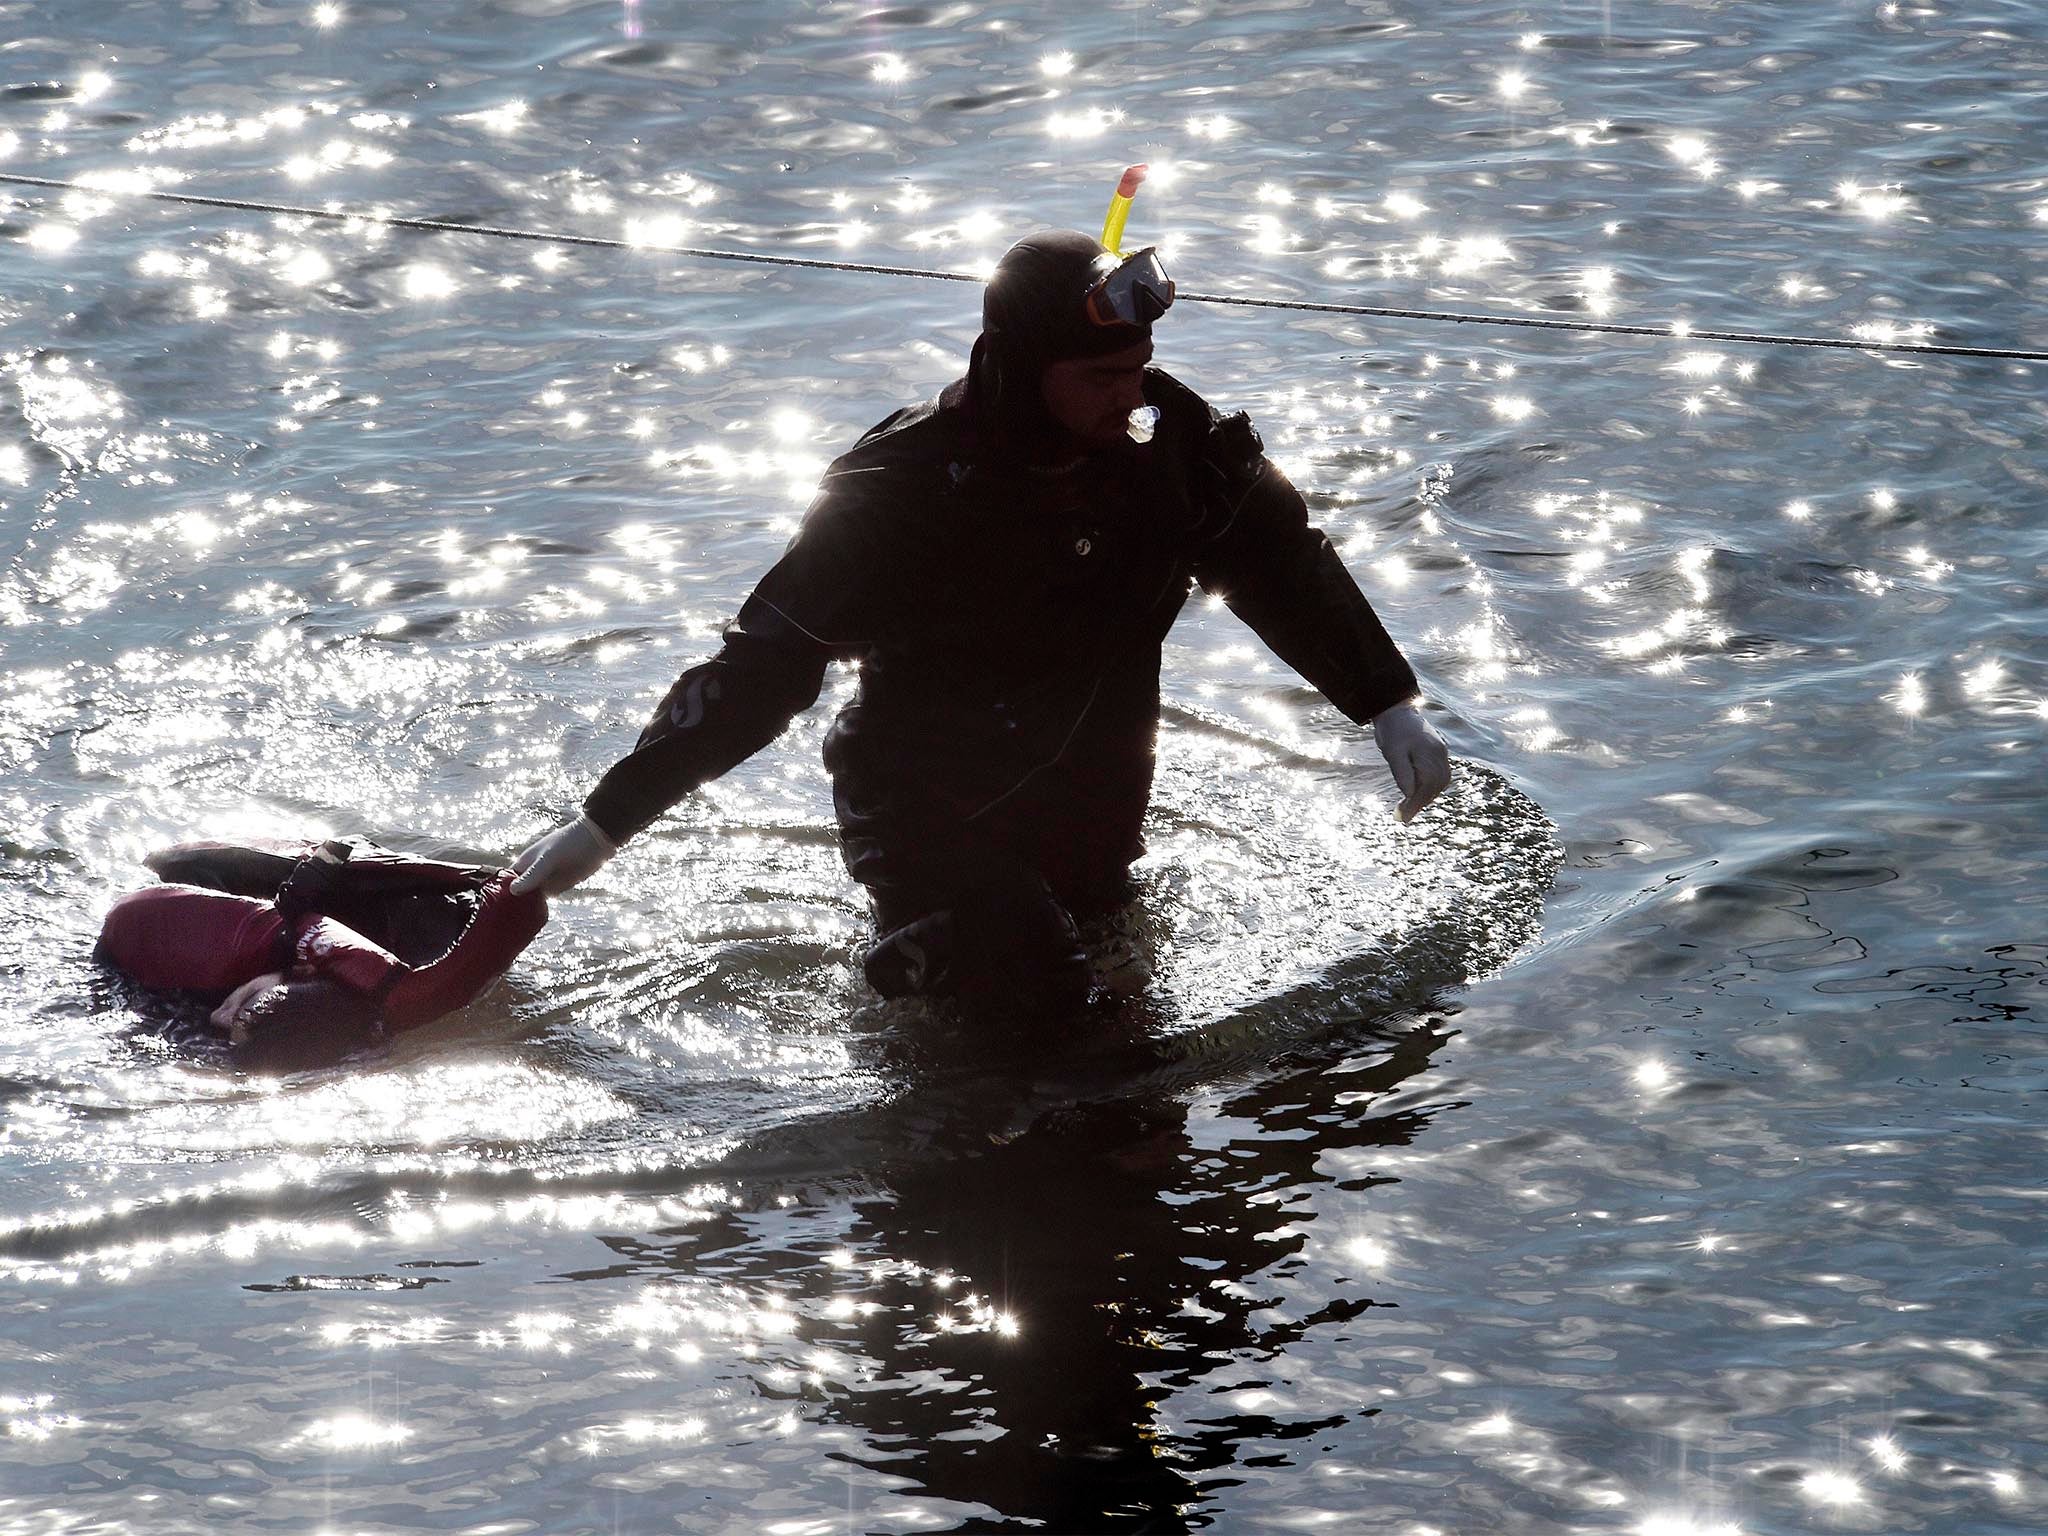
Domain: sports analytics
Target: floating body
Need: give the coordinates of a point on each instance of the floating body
(340, 940)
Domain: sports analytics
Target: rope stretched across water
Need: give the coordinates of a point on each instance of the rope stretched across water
(881, 269)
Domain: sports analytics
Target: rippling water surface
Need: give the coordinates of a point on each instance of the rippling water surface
(1646, 1141)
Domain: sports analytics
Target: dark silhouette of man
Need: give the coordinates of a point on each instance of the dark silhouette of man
(1003, 562)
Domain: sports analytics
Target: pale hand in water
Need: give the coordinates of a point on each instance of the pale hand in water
(227, 1018)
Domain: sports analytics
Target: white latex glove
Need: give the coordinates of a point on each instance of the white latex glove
(563, 858)
(1420, 761)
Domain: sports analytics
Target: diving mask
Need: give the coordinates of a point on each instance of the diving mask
(1133, 291)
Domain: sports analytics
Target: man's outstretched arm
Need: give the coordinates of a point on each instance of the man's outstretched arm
(1284, 579)
(715, 716)
(719, 713)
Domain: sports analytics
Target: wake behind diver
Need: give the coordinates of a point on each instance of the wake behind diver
(1002, 563)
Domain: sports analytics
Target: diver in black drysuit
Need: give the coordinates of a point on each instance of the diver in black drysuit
(1005, 597)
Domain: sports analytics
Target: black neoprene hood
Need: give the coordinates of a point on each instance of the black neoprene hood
(1032, 307)
(1033, 314)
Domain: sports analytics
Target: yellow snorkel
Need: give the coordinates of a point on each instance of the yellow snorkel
(1120, 208)
(1146, 417)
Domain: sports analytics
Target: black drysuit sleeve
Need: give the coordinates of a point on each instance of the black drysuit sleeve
(811, 608)
(1284, 579)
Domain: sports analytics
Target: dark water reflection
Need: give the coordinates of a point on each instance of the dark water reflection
(1693, 1192)
(1139, 1268)
(1004, 1325)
